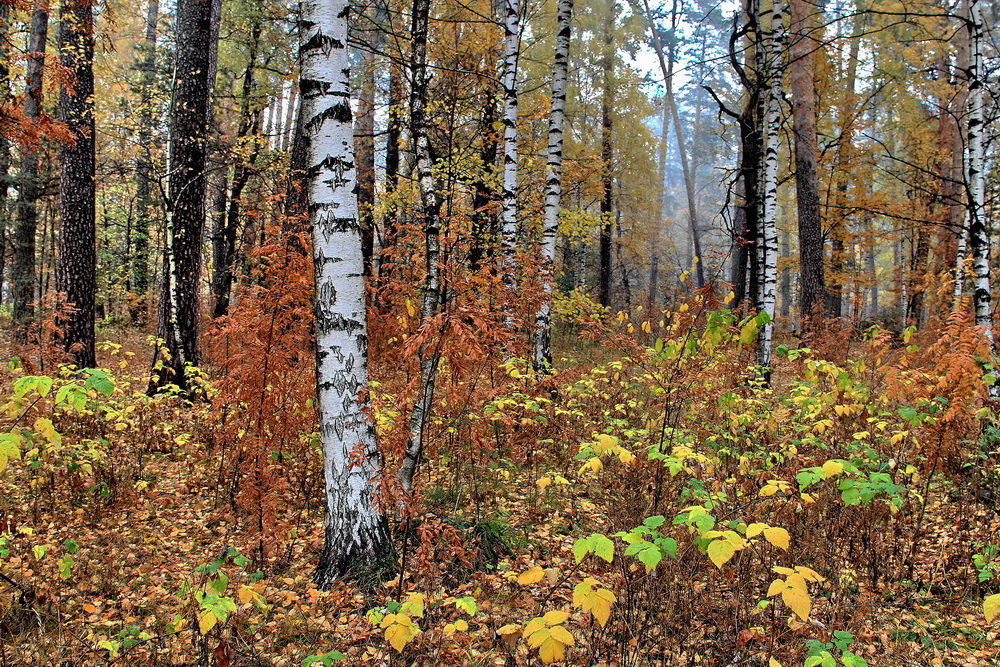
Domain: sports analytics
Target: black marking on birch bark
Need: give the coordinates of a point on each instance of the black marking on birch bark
(339, 112)
(321, 42)
(313, 88)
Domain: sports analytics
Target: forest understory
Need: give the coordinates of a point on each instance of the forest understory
(154, 531)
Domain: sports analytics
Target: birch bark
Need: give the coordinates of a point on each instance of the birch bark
(553, 187)
(356, 530)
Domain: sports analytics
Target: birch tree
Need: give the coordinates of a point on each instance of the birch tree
(429, 211)
(508, 235)
(553, 186)
(356, 530)
(975, 180)
(770, 118)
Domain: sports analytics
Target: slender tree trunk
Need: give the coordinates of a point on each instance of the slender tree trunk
(553, 186)
(975, 178)
(606, 270)
(364, 142)
(5, 156)
(393, 137)
(76, 275)
(666, 57)
(177, 321)
(786, 277)
(430, 209)
(484, 196)
(23, 278)
(145, 201)
(770, 118)
(356, 531)
(225, 234)
(811, 280)
(508, 235)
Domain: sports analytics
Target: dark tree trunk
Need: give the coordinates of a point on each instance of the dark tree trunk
(76, 275)
(484, 196)
(29, 187)
(4, 142)
(811, 282)
(226, 231)
(364, 146)
(606, 270)
(145, 201)
(177, 323)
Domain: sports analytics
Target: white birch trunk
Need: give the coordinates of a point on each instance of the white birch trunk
(356, 530)
(430, 205)
(512, 46)
(959, 284)
(975, 178)
(553, 187)
(770, 118)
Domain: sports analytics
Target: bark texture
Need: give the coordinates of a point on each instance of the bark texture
(356, 532)
(76, 273)
(553, 187)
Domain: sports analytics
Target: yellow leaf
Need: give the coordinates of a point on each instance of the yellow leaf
(509, 629)
(606, 443)
(537, 638)
(600, 608)
(755, 529)
(551, 650)
(831, 468)
(991, 607)
(720, 551)
(593, 464)
(246, 594)
(461, 625)
(543, 482)
(777, 586)
(768, 490)
(206, 621)
(561, 634)
(531, 576)
(555, 617)
(771, 662)
(533, 626)
(809, 575)
(797, 601)
(415, 604)
(778, 537)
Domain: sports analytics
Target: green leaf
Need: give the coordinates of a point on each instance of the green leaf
(468, 605)
(649, 556)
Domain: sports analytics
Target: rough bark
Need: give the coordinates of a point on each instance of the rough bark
(23, 279)
(605, 269)
(145, 201)
(76, 273)
(801, 66)
(177, 320)
(553, 186)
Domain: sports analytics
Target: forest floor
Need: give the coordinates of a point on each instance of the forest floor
(144, 551)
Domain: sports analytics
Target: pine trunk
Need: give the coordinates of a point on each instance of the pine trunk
(177, 321)
(811, 281)
(76, 275)
(23, 278)
(605, 269)
(145, 202)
